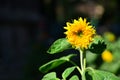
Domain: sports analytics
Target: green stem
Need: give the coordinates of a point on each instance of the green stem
(79, 69)
(84, 58)
(76, 66)
(83, 63)
(89, 69)
(81, 59)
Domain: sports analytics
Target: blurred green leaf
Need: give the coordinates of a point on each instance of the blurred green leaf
(59, 46)
(74, 77)
(50, 76)
(55, 63)
(102, 75)
(98, 45)
(67, 72)
(90, 57)
(112, 67)
(116, 54)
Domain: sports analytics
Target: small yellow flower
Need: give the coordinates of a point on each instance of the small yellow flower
(107, 56)
(109, 36)
(79, 33)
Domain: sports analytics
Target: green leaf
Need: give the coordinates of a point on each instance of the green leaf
(55, 63)
(74, 77)
(50, 76)
(90, 57)
(112, 67)
(59, 46)
(67, 72)
(102, 75)
(98, 45)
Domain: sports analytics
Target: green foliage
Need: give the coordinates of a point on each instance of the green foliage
(74, 77)
(55, 63)
(102, 75)
(59, 46)
(90, 57)
(67, 72)
(98, 45)
(112, 67)
(50, 76)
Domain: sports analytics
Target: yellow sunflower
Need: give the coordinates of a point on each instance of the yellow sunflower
(79, 33)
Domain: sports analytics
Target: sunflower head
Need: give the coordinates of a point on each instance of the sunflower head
(80, 33)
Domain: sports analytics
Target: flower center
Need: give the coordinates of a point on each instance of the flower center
(79, 33)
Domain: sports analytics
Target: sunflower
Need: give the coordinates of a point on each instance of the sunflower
(79, 33)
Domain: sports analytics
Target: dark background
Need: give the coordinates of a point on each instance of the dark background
(29, 27)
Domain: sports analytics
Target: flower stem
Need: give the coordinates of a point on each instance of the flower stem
(83, 63)
(76, 66)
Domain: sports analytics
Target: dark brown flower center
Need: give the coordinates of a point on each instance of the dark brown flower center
(80, 33)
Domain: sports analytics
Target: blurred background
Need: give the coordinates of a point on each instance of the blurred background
(29, 27)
